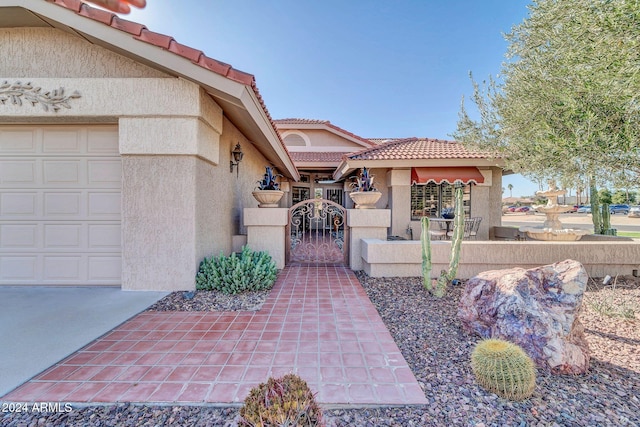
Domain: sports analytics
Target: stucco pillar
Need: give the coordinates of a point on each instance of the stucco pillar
(266, 231)
(365, 224)
(158, 218)
(399, 183)
(164, 229)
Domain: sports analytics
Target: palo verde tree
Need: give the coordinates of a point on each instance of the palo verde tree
(565, 105)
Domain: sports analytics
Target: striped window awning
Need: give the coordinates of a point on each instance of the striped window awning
(450, 175)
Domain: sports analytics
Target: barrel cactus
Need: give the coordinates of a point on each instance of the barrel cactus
(285, 401)
(504, 369)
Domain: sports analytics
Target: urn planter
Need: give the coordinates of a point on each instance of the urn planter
(268, 198)
(365, 199)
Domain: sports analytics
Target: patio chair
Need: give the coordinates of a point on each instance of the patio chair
(468, 227)
(476, 226)
(440, 233)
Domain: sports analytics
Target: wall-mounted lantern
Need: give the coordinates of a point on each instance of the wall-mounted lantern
(236, 156)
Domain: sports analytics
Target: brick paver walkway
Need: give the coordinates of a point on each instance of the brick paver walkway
(317, 322)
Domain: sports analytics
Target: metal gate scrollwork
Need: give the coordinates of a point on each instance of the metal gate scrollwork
(317, 232)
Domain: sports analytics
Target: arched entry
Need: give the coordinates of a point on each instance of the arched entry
(317, 233)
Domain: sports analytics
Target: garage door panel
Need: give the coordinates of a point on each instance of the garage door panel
(22, 204)
(62, 172)
(64, 236)
(106, 236)
(103, 142)
(68, 204)
(17, 269)
(67, 268)
(104, 204)
(104, 172)
(60, 205)
(18, 141)
(104, 268)
(19, 236)
(22, 172)
(62, 142)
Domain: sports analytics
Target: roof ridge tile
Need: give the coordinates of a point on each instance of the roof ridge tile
(95, 14)
(185, 51)
(130, 27)
(74, 5)
(156, 39)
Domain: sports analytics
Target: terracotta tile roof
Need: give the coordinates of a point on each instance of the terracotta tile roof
(316, 156)
(302, 121)
(327, 123)
(378, 141)
(140, 32)
(417, 149)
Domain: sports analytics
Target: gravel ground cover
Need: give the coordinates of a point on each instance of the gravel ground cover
(432, 341)
(211, 301)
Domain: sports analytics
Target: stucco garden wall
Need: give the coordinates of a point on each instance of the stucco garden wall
(404, 258)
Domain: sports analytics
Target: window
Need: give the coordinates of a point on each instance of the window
(299, 194)
(430, 200)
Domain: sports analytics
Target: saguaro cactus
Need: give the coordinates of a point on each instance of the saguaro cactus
(425, 239)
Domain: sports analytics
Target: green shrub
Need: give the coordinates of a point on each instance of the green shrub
(504, 369)
(251, 271)
(285, 401)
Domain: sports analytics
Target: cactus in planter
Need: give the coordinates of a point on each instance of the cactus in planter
(456, 243)
(425, 239)
(504, 369)
(285, 401)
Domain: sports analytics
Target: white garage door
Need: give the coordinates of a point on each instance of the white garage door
(60, 205)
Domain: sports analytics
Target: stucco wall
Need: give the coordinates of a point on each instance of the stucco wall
(159, 193)
(222, 195)
(47, 52)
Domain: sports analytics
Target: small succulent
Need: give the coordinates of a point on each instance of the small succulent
(268, 182)
(363, 182)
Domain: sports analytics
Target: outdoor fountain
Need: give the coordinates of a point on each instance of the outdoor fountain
(552, 227)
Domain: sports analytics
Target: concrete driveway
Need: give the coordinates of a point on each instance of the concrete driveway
(39, 326)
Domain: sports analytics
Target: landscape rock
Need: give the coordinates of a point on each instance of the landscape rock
(537, 309)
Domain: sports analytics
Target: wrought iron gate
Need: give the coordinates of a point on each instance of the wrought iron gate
(317, 232)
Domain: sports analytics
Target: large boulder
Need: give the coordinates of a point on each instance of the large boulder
(537, 309)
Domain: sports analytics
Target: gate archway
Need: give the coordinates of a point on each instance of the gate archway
(317, 233)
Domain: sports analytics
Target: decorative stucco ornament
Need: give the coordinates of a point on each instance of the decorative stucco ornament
(51, 100)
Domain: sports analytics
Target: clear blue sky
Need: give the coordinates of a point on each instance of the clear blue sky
(379, 69)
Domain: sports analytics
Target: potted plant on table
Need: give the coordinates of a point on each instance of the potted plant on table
(364, 194)
(268, 192)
